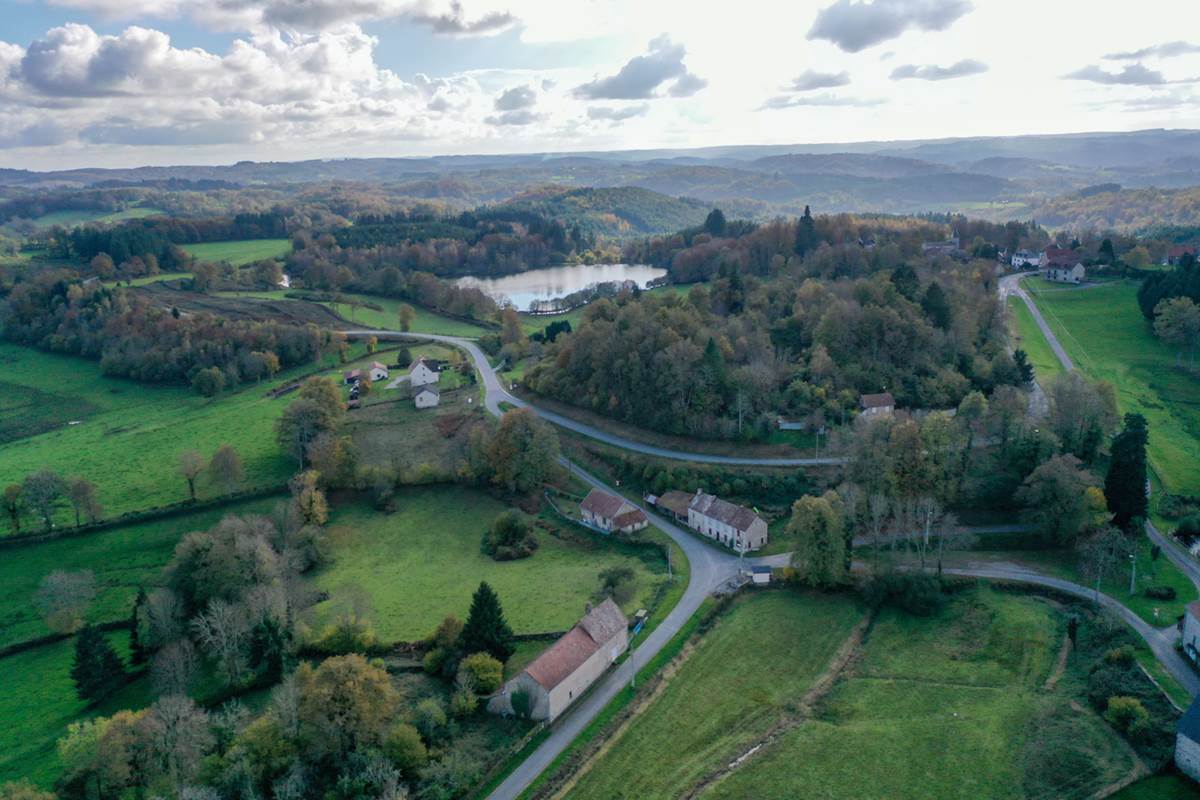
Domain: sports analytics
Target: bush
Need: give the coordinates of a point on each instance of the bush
(522, 704)
(509, 538)
(482, 671)
(405, 748)
(463, 702)
(1160, 592)
(1188, 530)
(1121, 656)
(430, 718)
(349, 634)
(1127, 715)
(915, 593)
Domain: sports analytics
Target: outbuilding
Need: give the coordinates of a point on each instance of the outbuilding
(877, 405)
(761, 576)
(427, 397)
(563, 673)
(377, 371)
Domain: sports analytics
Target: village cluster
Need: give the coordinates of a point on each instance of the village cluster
(422, 378)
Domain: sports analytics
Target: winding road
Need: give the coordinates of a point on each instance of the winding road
(711, 567)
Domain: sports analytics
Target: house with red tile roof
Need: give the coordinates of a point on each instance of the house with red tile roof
(565, 671)
(611, 513)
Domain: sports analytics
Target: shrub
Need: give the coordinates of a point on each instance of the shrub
(463, 702)
(405, 748)
(918, 594)
(1160, 592)
(1127, 715)
(509, 538)
(619, 583)
(483, 672)
(1188, 530)
(522, 704)
(349, 634)
(430, 718)
(1122, 656)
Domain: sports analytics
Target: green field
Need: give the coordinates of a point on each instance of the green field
(129, 435)
(1028, 336)
(241, 251)
(745, 675)
(122, 558)
(1103, 331)
(941, 707)
(71, 218)
(38, 702)
(424, 321)
(423, 562)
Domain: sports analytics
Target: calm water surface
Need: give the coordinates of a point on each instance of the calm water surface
(553, 282)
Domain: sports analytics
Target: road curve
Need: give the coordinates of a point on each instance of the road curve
(495, 394)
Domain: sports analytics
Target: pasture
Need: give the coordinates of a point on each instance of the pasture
(240, 251)
(386, 317)
(72, 217)
(1103, 331)
(423, 562)
(749, 672)
(38, 702)
(949, 706)
(1027, 336)
(127, 436)
(122, 558)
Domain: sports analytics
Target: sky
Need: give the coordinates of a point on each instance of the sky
(114, 83)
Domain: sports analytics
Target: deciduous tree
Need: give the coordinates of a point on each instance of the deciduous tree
(1061, 499)
(63, 599)
(84, 500)
(346, 704)
(43, 492)
(191, 464)
(819, 558)
(13, 501)
(225, 467)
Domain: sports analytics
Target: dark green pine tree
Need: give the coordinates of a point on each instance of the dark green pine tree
(714, 363)
(936, 306)
(486, 630)
(806, 233)
(1125, 483)
(97, 669)
(904, 278)
(715, 222)
(137, 651)
(1024, 368)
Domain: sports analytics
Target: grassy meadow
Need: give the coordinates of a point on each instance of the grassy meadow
(72, 217)
(241, 251)
(128, 436)
(1103, 331)
(423, 562)
(745, 675)
(424, 320)
(943, 707)
(1027, 336)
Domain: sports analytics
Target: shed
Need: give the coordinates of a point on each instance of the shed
(760, 575)
(377, 371)
(427, 397)
(875, 405)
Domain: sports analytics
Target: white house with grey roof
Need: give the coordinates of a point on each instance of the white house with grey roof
(560, 675)
(732, 525)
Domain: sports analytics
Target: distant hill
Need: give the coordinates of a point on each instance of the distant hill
(1130, 210)
(613, 212)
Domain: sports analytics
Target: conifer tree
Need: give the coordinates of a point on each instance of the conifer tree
(486, 630)
(1125, 483)
(97, 669)
(137, 651)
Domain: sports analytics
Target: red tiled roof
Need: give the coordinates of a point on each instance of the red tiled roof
(602, 504)
(1178, 250)
(676, 502)
(881, 400)
(577, 645)
(1060, 257)
(634, 517)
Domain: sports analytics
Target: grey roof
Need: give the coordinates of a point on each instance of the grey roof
(737, 517)
(1189, 723)
(761, 570)
(428, 387)
(604, 621)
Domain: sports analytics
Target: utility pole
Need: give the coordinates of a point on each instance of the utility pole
(1132, 573)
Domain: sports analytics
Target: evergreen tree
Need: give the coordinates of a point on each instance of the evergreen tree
(806, 233)
(486, 630)
(904, 278)
(137, 651)
(714, 363)
(715, 223)
(1107, 254)
(97, 669)
(936, 306)
(1024, 368)
(1125, 483)
(268, 650)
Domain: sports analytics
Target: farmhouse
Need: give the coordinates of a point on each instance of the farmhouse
(1187, 742)
(877, 405)
(572, 664)
(949, 247)
(422, 373)
(1062, 265)
(611, 513)
(1189, 639)
(427, 397)
(352, 376)
(1025, 258)
(377, 371)
(731, 525)
(1175, 254)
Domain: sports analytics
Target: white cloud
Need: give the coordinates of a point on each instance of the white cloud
(932, 72)
(811, 80)
(826, 99)
(855, 25)
(1132, 75)
(617, 115)
(1167, 50)
(516, 98)
(642, 76)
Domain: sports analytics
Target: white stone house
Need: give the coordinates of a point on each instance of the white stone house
(1062, 265)
(377, 371)
(611, 513)
(732, 525)
(876, 405)
(1026, 258)
(422, 374)
(427, 396)
(1187, 742)
(559, 676)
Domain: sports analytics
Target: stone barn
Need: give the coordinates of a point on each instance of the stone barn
(559, 676)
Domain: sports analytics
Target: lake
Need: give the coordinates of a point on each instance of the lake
(551, 283)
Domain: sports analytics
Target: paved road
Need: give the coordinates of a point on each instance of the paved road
(1011, 284)
(495, 394)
